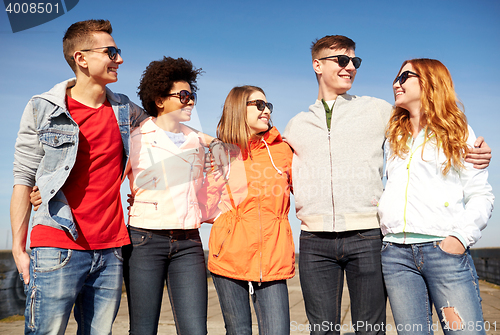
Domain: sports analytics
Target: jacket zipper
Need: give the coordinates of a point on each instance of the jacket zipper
(153, 180)
(331, 173)
(149, 202)
(260, 247)
(190, 186)
(406, 191)
(224, 240)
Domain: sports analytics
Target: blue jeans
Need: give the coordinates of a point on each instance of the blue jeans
(323, 259)
(270, 301)
(91, 280)
(174, 258)
(418, 275)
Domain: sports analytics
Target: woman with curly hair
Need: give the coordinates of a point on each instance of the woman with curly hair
(434, 205)
(165, 173)
(251, 250)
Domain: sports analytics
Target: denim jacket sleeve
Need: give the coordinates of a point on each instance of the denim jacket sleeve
(137, 115)
(28, 150)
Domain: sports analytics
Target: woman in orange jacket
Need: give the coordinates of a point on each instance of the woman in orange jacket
(251, 244)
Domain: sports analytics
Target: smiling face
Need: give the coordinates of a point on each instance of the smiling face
(97, 63)
(407, 95)
(172, 107)
(258, 121)
(334, 80)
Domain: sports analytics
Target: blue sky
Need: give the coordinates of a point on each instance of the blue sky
(265, 43)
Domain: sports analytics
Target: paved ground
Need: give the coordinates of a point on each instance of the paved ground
(490, 294)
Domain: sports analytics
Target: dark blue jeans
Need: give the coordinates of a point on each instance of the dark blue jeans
(172, 257)
(270, 301)
(324, 258)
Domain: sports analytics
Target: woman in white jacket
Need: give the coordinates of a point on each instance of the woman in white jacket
(434, 205)
(166, 172)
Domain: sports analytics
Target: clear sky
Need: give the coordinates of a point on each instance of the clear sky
(265, 43)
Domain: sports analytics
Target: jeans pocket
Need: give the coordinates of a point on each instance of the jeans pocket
(450, 254)
(50, 259)
(370, 234)
(195, 240)
(385, 245)
(138, 238)
(118, 253)
(305, 235)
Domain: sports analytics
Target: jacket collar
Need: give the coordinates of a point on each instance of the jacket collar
(57, 94)
(149, 125)
(319, 110)
(271, 136)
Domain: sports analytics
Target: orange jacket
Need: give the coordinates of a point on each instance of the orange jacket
(251, 238)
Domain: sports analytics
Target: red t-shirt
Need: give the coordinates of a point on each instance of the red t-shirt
(93, 186)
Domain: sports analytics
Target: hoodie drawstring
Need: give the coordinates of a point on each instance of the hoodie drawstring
(271, 157)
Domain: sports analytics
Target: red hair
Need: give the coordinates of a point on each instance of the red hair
(441, 115)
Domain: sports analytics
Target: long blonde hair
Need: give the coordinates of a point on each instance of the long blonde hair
(441, 115)
(233, 125)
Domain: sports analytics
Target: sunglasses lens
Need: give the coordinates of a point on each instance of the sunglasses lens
(113, 53)
(343, 60)
(356, 61)
(270, 106)
(404, 77)
(261, 105)
(185, 96)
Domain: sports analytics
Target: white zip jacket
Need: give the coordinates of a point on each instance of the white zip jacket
(418, 198)
(164, 178)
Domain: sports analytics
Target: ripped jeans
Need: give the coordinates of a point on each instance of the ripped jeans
(419, 275)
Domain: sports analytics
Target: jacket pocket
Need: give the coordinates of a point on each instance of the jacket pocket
(140, 210)
(220, 240)
(55, 145)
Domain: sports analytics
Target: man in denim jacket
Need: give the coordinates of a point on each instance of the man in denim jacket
(74, 142)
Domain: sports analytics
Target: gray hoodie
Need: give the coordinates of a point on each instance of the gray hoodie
(337, 174)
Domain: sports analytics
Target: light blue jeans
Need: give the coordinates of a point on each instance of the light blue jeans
(419, 275)
(270, 300)
(91, 280)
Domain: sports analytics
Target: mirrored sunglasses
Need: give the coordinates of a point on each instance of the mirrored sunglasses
(112, 52)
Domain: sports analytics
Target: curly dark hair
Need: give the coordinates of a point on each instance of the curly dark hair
(159, 77)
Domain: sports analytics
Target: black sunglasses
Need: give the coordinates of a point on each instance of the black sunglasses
(261, 105)
(113, 52)
(344, 60)
(184, 96)
(404, 76)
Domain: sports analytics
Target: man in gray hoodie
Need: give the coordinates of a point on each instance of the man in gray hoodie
(337, 182)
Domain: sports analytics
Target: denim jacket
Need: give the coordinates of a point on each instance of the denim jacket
(47, 145)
